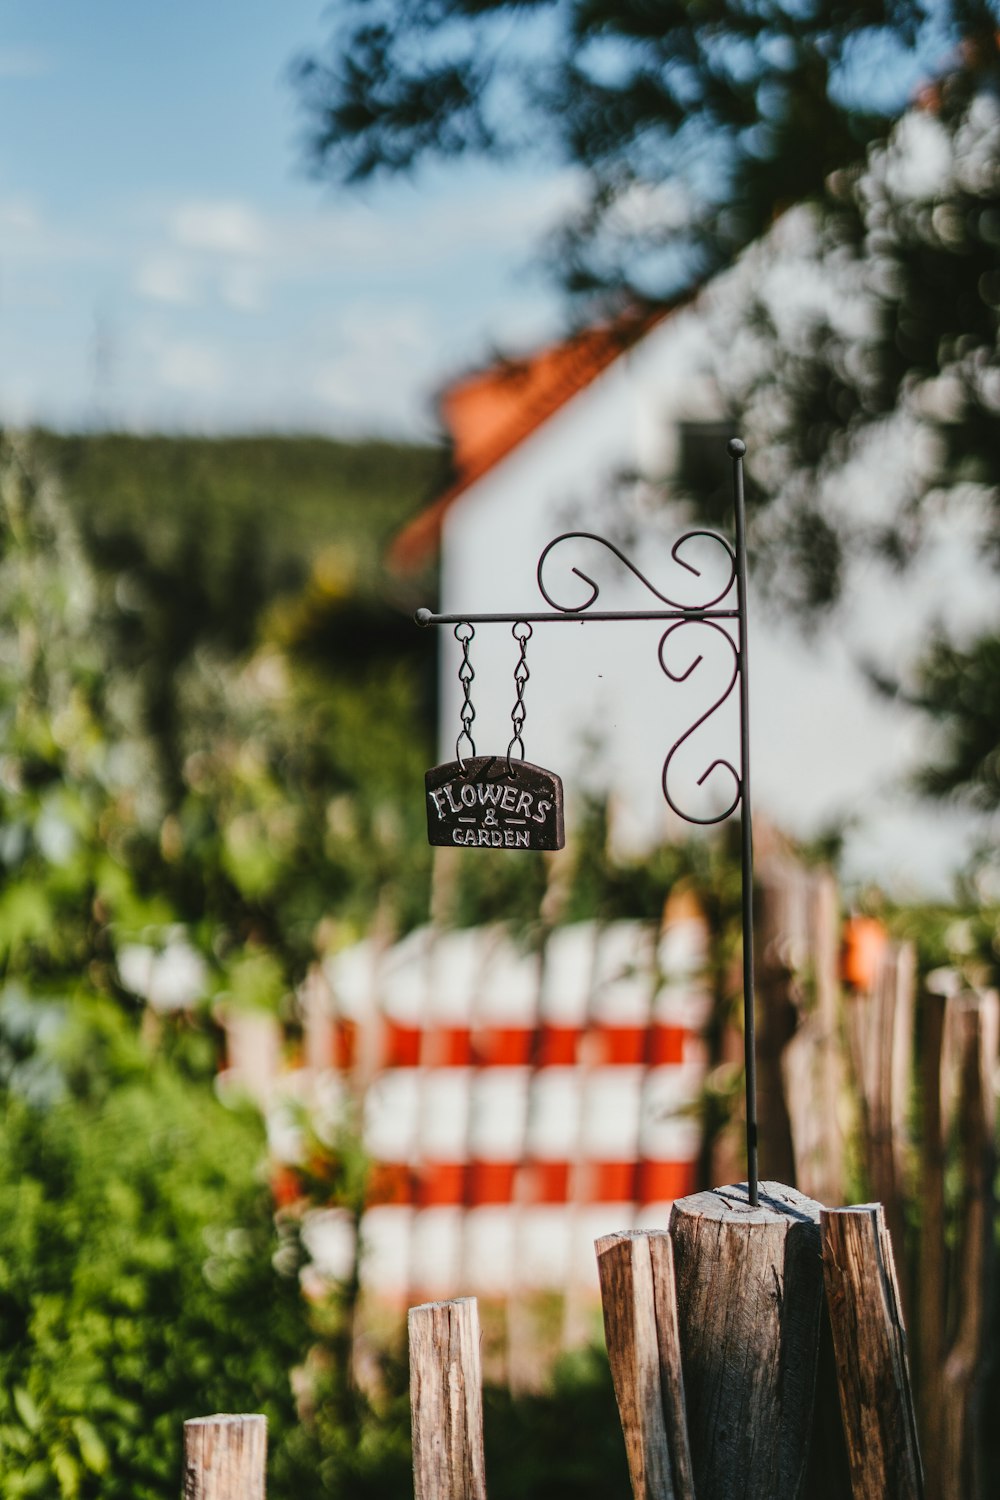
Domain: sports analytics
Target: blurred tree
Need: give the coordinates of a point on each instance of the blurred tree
(181, 536)
(279, 795)
(75, 785)
(136, 1230)
(693, 124)
(863, 364)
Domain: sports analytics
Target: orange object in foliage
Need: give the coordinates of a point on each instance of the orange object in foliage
(286, 1186)
(865, 941)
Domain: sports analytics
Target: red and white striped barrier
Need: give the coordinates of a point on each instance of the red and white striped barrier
(520, 1104)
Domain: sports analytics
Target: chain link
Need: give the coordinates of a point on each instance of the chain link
(522, 633)
(466, 673)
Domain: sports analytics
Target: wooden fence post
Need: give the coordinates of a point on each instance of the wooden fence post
(932, 1258)
(880, 1030)
(801, 1065)
(869, 1344)
(225, 1458)
(749, 1297)
(975, 1020)
(639, 1297)
(446, 1401)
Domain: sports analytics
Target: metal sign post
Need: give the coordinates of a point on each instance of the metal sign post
(494, 802)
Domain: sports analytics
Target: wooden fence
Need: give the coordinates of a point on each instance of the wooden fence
(788, 1325)
(908, 1072)
(757, 1353)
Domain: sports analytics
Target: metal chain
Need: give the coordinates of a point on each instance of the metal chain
(522, 633)
(466, 673)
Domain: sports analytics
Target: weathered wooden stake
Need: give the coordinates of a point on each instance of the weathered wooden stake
(640, 1323)
(225, 1458)
(749, 1295)
(869, 1343)
(975, 1020)
(932, 1256)
(446, 1401)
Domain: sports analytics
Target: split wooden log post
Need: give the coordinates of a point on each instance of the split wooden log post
(975, 1020)
(713, 1334)
(639, 1297)
(870, 1349)
(446, 1401)
(225, 1458)
(932, 1256)
(749, 1295)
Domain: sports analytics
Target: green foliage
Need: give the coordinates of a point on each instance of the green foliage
(136, 1283)
(136, 1276)
(869, 401)
(527, 1454)
(300, 804)
(279, 791)
(959, 688)
(507, 886)
(71, 769)
(609, 886)
(192, 539)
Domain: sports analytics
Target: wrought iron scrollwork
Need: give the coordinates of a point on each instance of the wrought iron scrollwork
(720, 762)
(675, 553)
(688, 615)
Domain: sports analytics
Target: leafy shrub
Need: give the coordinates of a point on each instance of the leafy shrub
(137, 1285)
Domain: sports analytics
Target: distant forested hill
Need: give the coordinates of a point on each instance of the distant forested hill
(218, 544)
(270, 504)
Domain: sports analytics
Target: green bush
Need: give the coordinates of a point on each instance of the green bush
(137, 1285)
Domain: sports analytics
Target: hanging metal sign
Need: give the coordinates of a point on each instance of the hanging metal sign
(496, 802)
(491, 802)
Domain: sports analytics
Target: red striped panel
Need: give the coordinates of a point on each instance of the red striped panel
(505, 1046)
(622, 1045)
(662, 1181)
(546, 1181)
(608, 1181)
(666, 1044)
(557, 1046)
(441, 1184)
(402, 1045)
(447, 1047)
(490, 1182)
(390, 1182)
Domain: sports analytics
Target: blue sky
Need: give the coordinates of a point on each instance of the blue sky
(165, 262)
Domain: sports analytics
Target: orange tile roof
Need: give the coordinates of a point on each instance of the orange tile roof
(491, 411)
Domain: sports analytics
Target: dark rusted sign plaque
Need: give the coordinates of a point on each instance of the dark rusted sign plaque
(490, 802)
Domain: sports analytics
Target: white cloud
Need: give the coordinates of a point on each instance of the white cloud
(362, 307)
(196, 369)
(242, 287)
(166, 278)
(381, 353)
(219, 226)
(19, 217)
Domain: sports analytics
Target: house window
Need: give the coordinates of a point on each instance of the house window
(704, 474)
